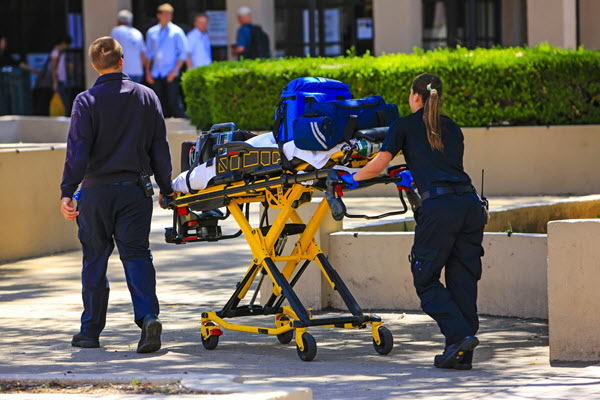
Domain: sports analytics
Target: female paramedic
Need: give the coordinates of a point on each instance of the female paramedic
(450, 220)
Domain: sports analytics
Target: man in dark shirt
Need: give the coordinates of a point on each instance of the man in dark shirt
(117, 136)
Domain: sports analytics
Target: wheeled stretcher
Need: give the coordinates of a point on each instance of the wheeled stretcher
(251, 175)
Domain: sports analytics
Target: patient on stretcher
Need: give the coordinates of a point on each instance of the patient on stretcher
(201, 175)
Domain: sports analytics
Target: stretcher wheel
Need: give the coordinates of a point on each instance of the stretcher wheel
(212, 342)
(285, 337)
(387, 341)
(310, 347)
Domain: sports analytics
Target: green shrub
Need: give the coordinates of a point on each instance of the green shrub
(514, 86)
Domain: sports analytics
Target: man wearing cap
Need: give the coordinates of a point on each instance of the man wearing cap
(167, 50)
(244, 31)
(132, 42)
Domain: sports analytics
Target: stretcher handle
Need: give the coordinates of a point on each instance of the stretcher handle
(311, 176)
(389, 214)
(372, 134)
(225, 125)
(338, 208)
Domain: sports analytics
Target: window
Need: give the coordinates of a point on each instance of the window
(466, 23)
(337, 25)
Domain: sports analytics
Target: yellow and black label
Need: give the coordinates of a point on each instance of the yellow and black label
(247, 160)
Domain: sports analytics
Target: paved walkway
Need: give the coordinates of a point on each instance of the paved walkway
(40, 305)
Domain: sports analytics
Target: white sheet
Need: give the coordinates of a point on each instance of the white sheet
(202, 174)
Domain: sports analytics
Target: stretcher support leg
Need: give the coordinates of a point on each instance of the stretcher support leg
(339, 285)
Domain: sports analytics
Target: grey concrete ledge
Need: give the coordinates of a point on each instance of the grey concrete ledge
(225, 386)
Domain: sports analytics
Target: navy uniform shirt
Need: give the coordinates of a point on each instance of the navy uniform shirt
(430, 168)
(117, 130)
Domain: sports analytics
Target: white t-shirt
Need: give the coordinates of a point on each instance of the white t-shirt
(132, 42)
(199, 45)
(62, 65)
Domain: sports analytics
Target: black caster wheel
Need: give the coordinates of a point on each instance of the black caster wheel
(387, 341)
(310, 347)
(212, 342)
(285, 337)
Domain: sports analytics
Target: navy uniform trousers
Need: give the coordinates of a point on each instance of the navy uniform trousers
(119, 211)
(449, 233)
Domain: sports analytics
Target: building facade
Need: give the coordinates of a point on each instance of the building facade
(317, 27)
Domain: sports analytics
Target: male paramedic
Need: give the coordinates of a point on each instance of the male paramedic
(117, 138)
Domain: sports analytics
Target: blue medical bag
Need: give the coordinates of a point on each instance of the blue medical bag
(324, 125)
(297, 94)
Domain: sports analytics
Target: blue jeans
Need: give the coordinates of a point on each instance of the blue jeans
(122, 213)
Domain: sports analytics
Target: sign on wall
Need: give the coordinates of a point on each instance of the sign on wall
(217, 27)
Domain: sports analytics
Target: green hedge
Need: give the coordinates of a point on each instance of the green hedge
(517, 86)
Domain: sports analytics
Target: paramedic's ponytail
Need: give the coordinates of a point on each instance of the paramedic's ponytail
(429, 88)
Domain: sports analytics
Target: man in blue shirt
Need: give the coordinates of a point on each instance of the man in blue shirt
(134, 48)
(167, 50)
(117, 138)
(199, 43)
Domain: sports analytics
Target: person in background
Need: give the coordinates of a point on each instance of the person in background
(5, 58)
(58, 59)
(167, 51)
(199, 43)
(117, 139)
(244, 33)
(132, 42)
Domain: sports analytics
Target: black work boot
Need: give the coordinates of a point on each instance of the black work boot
(83, 341)
(151, 331)
(465, 364)
(455, 353)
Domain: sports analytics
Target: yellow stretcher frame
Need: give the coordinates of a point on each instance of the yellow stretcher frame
(284, 193)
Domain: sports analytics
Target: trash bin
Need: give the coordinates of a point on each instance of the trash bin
(15, 91)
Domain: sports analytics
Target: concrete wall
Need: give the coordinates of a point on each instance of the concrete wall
(552, 21)
(573, 295)
(31, 222)
(397, 26)
(513, 281)
(19, 129)
(534, 160)
(526, 160)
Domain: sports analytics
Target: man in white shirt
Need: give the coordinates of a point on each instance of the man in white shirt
(199, 43)
(132, 42)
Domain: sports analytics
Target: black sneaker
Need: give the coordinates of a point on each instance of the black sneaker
(83, 341)
(151, 331)
(454, 354)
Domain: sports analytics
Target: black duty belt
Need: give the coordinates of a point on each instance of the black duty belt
(447, 190)
(126, 183)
